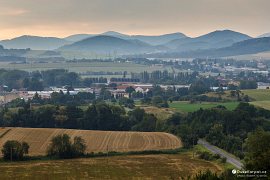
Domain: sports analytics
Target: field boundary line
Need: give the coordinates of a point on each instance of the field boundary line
(4, 133)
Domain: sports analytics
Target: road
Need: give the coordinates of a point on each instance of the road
(230, 159)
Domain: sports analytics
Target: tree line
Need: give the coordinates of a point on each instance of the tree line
(243, 131)
(98, 116)
(219, 126)
(38, 80)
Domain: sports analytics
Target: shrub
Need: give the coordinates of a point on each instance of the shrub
(209, 175)
(14, 150)
(62, 147)
(206, 175)
(206, 156)
(224, 160)
(216, 156)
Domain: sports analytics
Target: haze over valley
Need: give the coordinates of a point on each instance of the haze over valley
(220, 43)
(135, 89)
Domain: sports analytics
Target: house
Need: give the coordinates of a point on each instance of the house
(262, 85)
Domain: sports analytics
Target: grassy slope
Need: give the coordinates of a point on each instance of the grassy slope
(160, 113)
(260, 97)
(118, 167)
(184, 106)
(263, 104)
(258, 94)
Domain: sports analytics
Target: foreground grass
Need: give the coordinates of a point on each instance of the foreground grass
(184, 106)
(158, 166)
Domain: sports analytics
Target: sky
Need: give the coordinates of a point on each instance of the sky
(61, 18)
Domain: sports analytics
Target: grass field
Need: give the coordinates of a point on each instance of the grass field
(258, 94)
(161, 166)
(184, 106)
(96, 141)
(225, 96)
(81, 67)
(160, 113)
(263, 104)
(249, 57)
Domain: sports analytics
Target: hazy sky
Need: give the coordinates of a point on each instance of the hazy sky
(192, 17)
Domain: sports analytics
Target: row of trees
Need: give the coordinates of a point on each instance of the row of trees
(38, 80)
(98, 116)
(166, 77)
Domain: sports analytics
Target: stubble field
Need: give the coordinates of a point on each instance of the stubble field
(96, 141)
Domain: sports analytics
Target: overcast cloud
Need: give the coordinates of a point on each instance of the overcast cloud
(192, 17)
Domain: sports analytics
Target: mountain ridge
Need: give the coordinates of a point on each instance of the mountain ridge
(215, 39)
(34, 42)
(109, 44)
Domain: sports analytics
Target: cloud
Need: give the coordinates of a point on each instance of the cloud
(193, 17)
(4, 11)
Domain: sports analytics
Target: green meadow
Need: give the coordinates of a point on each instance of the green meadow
(185, 106)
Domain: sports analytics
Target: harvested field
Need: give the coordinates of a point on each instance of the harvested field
(96, 141)
(119, 167)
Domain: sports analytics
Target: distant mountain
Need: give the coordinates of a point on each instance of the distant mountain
(153, 40)
(34, 43)
(216, 39)
(122, 43)
(116, 34)
(251, 46)
(109, 44)
(161, 39)
(264, 35)
(78, 37)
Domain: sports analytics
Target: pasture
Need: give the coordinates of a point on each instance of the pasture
(262, 104)
(159, 166)
(96, 141)
(185, 106)
(258, 94)
(82, 67)
(160, 113)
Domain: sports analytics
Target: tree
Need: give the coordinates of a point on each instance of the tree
(199, 87)
(127, 102)
(182, 91)
(258, 150)
(159, 102)
(246, 84)
(130, 90)
(14, 150)
(105, 94)
(148, 124)
(215, 135)
(79, 146)
(62, 147)
(188, 136)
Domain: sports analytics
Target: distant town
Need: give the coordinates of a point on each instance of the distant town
(223, 74)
